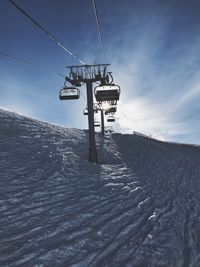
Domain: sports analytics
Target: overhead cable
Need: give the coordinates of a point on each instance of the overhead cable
(99, 29)
(44, 30)
(32, 64)
(36, 66)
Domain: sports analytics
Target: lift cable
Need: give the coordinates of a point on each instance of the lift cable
(36, 66)
(32, 64)
(44, 30)
(99, 29)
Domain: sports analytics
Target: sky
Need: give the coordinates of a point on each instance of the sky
(153, 47)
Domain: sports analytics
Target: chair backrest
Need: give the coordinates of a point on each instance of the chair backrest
(69, 93)
(107, 93)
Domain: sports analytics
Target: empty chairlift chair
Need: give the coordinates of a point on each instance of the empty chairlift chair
(69, 93)
(111, 110)
(96, 124)
(85, 111)
(109, 92)
(111, 119)
(95, 109)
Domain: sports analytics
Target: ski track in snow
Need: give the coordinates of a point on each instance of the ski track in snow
(139, 207)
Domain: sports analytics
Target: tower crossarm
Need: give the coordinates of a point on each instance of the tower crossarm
(87, 73)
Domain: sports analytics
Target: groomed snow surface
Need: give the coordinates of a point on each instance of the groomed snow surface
(139, 207)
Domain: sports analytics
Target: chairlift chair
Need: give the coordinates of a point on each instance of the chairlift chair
(85, 111)
(111, 110)
(96, 124)
(109, 92)
(69, 93)
(110, 113)
(111, 119)
(95, 108)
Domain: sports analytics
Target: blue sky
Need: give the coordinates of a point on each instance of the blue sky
(153, 47)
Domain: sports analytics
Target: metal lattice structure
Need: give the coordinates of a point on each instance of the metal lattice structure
(88, 74)
(79, 75)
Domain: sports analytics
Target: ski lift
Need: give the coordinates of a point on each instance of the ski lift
(85, 111)
(109, 92)
(69, 93)
(96, 124)
(111, 119)
(95, 109)
(111, 110)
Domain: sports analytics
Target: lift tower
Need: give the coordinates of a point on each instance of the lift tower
(102, 121)
(88, 74)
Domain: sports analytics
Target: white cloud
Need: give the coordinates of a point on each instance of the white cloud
(141, 116)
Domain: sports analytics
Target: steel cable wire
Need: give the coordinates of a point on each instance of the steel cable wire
(44, 30)
(32, 64)
(99, 29)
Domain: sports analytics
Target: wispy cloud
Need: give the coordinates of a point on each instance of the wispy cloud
(159, 79)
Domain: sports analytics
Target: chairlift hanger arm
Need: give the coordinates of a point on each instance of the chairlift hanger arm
(110, 73)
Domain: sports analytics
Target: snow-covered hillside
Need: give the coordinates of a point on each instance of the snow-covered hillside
(139, 207)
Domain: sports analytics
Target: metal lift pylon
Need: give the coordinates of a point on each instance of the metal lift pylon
(88, 74)
(102, 122)
(92, 149)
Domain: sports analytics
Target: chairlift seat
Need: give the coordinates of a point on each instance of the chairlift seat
(96, 124)
(85, 111)
(107, 93)
(111, 119)
(69, 93)
(111, 110)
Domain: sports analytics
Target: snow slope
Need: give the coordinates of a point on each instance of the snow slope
(139, 207)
